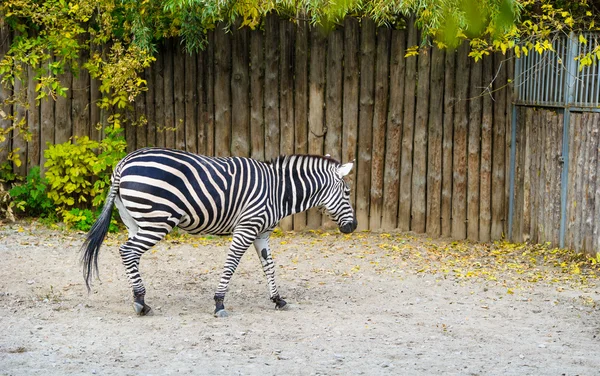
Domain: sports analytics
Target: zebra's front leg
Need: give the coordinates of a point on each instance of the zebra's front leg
(242, 238)
(264, 254)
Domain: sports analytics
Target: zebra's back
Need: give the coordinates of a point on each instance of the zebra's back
(201, 194)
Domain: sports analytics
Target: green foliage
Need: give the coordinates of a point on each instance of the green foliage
(30, 197)
(72, 167)
(7, 178)
(83, 219)
(69, 169)
(112, 150)
(7, 175)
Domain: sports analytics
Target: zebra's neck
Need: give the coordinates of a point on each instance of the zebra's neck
(300, 180)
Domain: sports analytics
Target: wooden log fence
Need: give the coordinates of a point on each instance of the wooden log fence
(428, 134)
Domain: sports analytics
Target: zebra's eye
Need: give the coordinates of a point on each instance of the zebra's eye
(346, 189)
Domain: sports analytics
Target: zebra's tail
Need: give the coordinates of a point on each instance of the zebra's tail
(96, 235)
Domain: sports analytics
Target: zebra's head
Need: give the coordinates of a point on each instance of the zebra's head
(336, 200)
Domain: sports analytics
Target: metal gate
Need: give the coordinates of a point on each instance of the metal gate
(554, 79)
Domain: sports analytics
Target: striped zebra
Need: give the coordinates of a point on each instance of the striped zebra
(156, 189)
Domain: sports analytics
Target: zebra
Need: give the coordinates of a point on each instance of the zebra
(158, 189)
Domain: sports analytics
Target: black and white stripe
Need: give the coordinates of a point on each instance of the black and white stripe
(157, 189)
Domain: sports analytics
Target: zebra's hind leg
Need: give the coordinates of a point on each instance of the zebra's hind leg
(261, 244)
(131, 252)
(242, 238)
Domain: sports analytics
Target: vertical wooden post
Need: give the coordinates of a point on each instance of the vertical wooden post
(380, 108)
(95, 97)
(47, 119)
(169, 125)
(178, 94)
(150, 127)
(240, 115)
(272, 138)
(209, 79)
(419, 175)
(448, 142)
(474, 151)
(316, 98)
(159, 96)
(81, 97)
(33, 122)
(350, 101)
(201, 99)
(485, 184)
(406, 165)
(595, 247)
(257, 82)
(527, 177)
(19, 145)
(461, 119)
(5, 91)
(140, 115)
(333, 100)
(222, 92)
(393, 137)
(286, 98)
(64, 124)
(301, 102)
(556, 181)
(499, 147)
(518, 199)
(365, 121)
(191, 102)
(434, 149)
(575, 134)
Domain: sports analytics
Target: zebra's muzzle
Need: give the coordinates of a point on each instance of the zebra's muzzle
(349, 227)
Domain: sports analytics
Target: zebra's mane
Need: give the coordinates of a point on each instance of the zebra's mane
(279, 161)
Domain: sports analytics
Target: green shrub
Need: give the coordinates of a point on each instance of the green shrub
(30, 197)
(7, 177)
(83, 219)
(77, 176)
(69, 170)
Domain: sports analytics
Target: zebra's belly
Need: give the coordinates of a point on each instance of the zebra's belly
(159, 214)
(197, 228)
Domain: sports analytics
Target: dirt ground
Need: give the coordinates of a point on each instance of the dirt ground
(370, 304)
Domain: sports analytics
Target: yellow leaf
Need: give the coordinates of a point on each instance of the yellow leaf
(569, 21)
(582, 39)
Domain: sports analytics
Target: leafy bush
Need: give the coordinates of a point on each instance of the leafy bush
(7, 177)
(77, 176)
(30, 197)
(69, 170)
(112, 150)
(83, 219)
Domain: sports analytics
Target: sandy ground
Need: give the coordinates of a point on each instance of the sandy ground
(370, 304)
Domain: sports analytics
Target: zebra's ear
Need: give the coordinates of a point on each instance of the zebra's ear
(345, 169)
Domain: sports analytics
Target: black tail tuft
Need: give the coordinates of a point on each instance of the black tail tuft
(95, 237)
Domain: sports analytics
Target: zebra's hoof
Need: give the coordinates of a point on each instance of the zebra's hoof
(142, 309)
(221, 313)
(281, 305)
